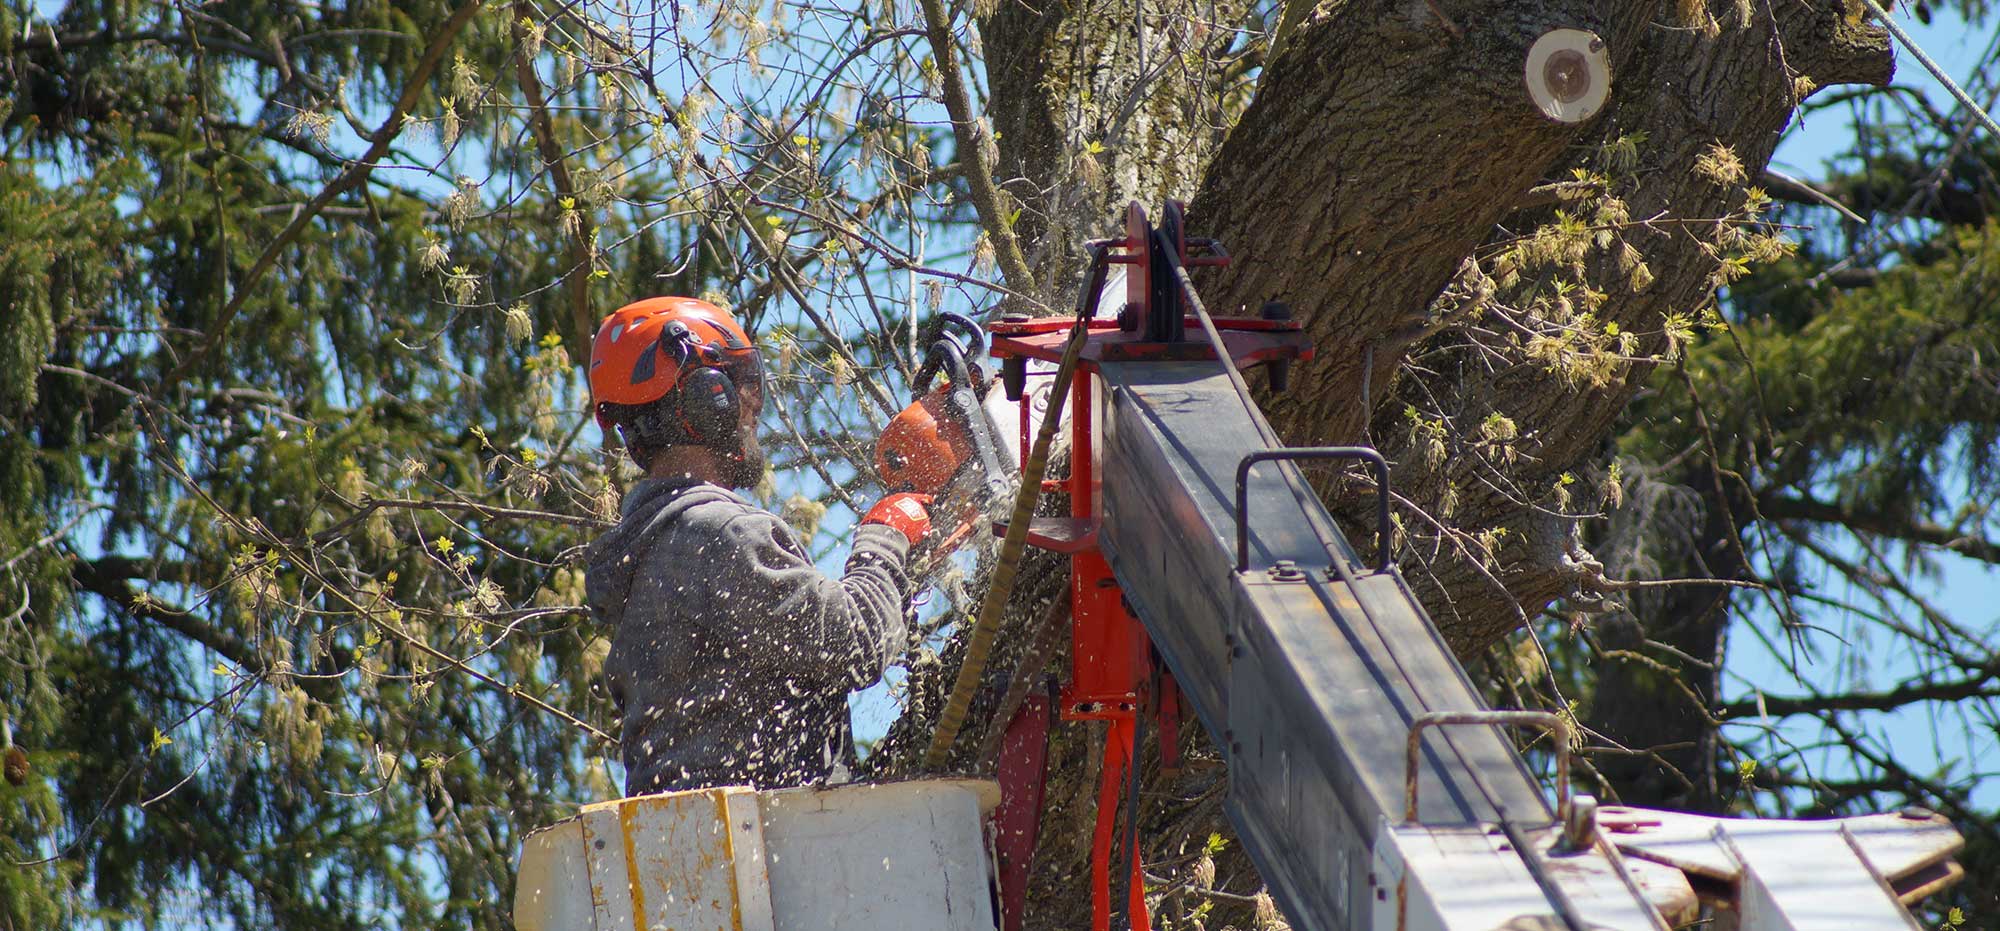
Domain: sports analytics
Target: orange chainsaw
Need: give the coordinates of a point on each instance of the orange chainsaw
(944, 443)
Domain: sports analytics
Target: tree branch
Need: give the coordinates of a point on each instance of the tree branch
(1781, 507)
(110, 578)
(354, 175)
(1558, 192)
(367, 506)
(577, 279)
(1985, 685)
(1785, 187)
(966, 128)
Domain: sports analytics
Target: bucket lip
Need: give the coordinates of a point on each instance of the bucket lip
(985, 791)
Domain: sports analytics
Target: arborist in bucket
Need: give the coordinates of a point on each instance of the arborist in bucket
(732, 654)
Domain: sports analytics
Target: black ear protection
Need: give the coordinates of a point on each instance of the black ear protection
(706, 396)
(708, 404)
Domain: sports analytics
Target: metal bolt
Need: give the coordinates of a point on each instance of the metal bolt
(1016, 318)
(1917, 813)
(1285, 570)
(1579, 824)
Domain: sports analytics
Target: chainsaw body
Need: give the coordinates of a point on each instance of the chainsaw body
(944, 444)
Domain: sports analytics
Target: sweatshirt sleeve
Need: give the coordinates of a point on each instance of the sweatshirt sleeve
(850, 628)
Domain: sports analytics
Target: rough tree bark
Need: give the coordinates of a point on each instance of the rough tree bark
(1387, 146)
(1101, 102)
(1409, 163)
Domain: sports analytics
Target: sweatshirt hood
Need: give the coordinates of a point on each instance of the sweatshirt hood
(649, 510)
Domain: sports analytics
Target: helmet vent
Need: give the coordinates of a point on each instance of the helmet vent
(642, 370)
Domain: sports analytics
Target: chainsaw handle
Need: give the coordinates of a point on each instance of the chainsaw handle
(946, 348)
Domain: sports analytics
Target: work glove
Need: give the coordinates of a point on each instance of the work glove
(906, 513)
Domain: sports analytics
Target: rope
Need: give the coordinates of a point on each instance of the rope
(980, 646)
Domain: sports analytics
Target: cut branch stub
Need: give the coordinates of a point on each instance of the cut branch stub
(1569, 74)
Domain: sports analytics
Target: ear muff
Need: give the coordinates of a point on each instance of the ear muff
(706, 396)
(708, 404)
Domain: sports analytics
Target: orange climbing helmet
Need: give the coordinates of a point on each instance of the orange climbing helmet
(680, 349)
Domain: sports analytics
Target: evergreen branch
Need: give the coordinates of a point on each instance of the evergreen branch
(1984, 685)
(54, 536)
(143, 400)
(1880, 523)
(110, 579)
(269, 57)
(354, 176)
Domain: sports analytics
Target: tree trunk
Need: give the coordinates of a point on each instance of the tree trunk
(1686, 96)
(1660, 656)
(1098, 103)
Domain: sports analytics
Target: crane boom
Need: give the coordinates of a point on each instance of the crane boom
(1367, 779)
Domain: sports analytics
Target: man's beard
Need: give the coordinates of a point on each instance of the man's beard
(745, 469)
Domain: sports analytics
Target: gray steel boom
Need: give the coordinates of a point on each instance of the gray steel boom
(1368, 781)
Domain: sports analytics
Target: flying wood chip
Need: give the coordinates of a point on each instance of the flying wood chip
(1569, 74)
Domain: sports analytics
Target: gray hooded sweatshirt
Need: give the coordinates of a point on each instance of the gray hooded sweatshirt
(732, 655)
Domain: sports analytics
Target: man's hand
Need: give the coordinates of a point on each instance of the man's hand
(907, 513)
